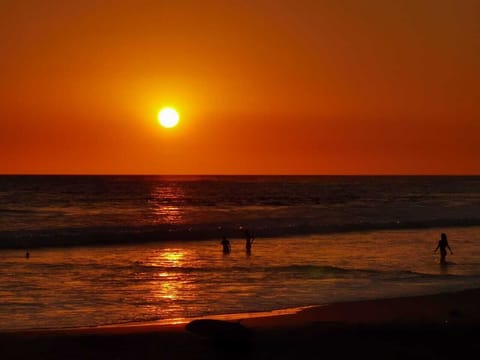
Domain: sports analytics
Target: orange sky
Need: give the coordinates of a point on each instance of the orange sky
(262, 87)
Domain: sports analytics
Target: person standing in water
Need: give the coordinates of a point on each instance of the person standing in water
(443, 245)
(226, 245)
(248, 241)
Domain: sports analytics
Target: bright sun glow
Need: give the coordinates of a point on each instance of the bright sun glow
(168, 117)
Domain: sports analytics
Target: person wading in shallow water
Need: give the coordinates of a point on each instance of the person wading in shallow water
(226, 245)
(443, 245)
(248, 241)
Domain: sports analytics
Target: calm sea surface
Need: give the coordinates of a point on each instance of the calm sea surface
(114, 249)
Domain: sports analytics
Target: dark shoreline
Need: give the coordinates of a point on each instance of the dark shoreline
(442, 326)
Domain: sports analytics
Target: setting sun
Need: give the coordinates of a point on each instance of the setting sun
(168, 117)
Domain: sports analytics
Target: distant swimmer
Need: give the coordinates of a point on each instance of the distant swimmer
(27, 255)
(443, 245)
(226, 245)
(248, 241)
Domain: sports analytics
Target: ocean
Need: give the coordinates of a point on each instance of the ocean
(121, 249)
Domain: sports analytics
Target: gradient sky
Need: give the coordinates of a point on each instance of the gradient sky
(262, 87)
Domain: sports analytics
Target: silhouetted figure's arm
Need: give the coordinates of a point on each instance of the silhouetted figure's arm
(451, 252)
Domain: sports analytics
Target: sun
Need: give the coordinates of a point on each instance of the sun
(168, 117)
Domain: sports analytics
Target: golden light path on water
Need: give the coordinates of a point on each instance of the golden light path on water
(167, 284)
(162, 203)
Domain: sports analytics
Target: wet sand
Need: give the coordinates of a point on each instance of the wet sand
(444, 326)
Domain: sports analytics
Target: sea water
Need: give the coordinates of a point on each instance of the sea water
(117, 249)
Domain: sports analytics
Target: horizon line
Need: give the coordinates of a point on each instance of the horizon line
(225, 175)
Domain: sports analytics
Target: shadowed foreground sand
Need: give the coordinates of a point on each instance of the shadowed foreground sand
(445, 326)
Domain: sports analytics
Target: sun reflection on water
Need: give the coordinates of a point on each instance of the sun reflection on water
(173, 256)
(165, 200)
(167, 290)
(170, 283)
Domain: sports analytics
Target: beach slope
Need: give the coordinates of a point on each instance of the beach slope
(444, 326)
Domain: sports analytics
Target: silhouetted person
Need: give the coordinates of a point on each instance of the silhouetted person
(226, 245)
(248, 241)
(443, 245)
(27, 255)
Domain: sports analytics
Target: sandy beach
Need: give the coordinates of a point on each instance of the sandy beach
(443, 326)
